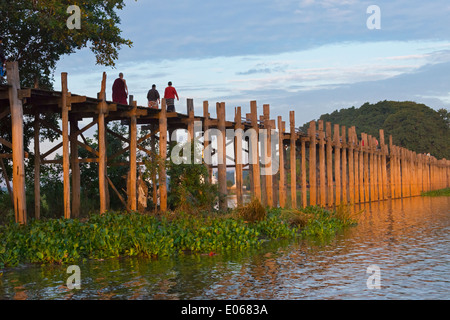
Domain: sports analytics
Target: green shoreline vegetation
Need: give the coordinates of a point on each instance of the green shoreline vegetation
(116, 234)
(437, 193)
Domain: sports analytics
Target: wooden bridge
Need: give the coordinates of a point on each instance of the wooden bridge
(335, 166)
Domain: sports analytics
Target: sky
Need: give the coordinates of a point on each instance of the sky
(311, 56)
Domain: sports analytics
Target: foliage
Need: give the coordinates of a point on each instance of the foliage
(116, 234)
(322, 223)
(437, 193)
(36, 34)
(189, 187)
(413, 126)
(252, 211)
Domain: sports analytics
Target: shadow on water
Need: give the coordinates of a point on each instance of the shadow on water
(408, 239)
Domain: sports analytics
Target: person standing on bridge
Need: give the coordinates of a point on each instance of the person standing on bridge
(120, 90)
(169, 94)
(153, 97)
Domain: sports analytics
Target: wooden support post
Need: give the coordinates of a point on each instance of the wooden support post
(403, 172)
(344, 165)
(393, 169)
(303, 174)
(380, 174)
(163, 156)
(132, 192)
(323, 195)
(410, 173)
(292, 160)
(281, 185)
(398, 189)
(384, 166)
(420, 173)
(370, 166)
(268, 150)
(407, 173)
(356, 153)
(329, 148)
(427, 174)
(351, 172)
(37, 167)
(222, 158)
(154, 159)
(190, 113)
(238, 156)
(75, 165)
(375, 168)
(337, 164)
(262, 150)
(247, 139)
(65, 137)
(312, 164)
(18, 155)
(255, 152)
(366, 167)
(361, 170)
(102, 109)
(207, 139)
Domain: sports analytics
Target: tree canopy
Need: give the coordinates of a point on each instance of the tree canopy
(36, 34)
(414, 126)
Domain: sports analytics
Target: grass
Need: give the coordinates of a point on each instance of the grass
(437, 193)
(116, 234)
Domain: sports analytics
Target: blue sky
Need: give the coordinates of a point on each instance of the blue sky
(311, 56)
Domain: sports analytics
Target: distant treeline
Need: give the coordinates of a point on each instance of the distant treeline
(414, 126)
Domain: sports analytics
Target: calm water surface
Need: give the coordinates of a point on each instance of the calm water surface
(407, 239)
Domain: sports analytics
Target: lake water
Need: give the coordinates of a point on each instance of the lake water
(408, 240)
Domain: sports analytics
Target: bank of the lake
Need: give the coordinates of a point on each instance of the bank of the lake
(117, 234)
(437, 193)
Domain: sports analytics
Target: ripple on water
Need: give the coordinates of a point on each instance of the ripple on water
(408, 239)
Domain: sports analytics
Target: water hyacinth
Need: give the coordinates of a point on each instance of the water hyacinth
(116, 234)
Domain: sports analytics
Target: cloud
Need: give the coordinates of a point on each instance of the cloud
(413, 86)
(235, 28)
(264, 68)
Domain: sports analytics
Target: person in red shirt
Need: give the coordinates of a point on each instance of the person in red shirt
(169, 94)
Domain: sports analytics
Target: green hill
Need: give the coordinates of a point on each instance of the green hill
(414, 126)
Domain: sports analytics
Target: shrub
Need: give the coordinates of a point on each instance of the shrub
(252, 211)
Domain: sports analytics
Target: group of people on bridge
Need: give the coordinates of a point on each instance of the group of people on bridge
(120, 94)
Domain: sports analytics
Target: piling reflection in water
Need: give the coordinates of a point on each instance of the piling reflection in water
(407, 238)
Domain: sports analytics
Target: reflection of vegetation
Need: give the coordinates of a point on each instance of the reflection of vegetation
(437, 193)
(115, 234)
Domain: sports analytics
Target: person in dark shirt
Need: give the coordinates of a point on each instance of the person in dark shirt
(120, 90)
(169, 94)
(2, 51)
(153, 97)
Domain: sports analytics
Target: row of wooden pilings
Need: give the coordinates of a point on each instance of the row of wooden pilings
(326, 166)
(330, 167)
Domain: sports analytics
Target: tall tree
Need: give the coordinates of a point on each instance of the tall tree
(36, 34)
